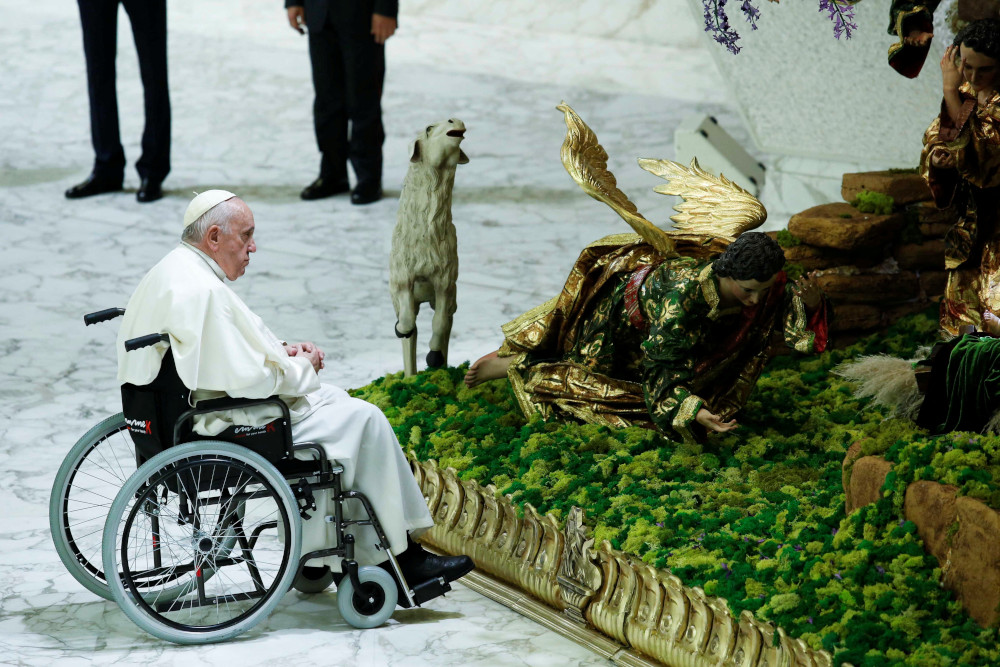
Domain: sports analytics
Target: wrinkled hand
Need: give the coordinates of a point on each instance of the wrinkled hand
(713, 422)
(297, 19)
(942, 158)
(951, 71)
(918, 38)
(383, 27)
(807, 289)
(991, 324)
(310, 351)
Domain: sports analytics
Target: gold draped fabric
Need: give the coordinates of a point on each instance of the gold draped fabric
(582, 355)
(972, 186)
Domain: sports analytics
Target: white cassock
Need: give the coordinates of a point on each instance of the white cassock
(221, 347)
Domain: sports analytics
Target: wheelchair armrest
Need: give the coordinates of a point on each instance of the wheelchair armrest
(231, 403)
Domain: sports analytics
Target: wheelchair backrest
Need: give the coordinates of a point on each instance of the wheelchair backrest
(152, 411)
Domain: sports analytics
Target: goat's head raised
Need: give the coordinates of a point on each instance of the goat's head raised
(438, 145)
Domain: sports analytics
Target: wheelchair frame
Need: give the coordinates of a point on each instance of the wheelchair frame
(161, 476)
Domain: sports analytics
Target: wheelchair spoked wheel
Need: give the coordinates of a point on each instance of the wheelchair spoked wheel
(372, 604)
(85, 486)
(210, 520)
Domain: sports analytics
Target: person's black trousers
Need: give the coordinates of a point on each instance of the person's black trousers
(348, 69)
(99, 19)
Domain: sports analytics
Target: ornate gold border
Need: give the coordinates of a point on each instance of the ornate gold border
(579, 590)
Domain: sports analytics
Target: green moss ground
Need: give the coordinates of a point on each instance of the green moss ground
(757, 516)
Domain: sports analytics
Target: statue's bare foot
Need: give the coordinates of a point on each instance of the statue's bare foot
(488, 367)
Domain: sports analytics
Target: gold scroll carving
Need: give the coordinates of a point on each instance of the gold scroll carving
(645, 610)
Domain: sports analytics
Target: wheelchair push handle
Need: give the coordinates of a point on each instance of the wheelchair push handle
(145, 341)
(102, 315)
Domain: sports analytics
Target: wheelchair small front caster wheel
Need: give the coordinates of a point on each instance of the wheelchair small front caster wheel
(313, 579)
(373, 604)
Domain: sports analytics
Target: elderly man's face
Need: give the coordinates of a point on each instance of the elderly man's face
(234, 247)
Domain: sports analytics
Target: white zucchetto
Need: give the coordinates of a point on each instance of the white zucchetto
(203, 202)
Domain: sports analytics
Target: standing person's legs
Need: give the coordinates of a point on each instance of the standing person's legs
(99, 20)
(329, 112)
(149, 29)
(364, 70)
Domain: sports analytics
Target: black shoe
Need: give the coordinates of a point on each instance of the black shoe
(94, 185)
(149, 190)
(366, 194)
(428, 566)
(325, 187)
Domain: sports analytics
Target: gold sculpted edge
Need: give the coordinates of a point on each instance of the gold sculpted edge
(606, 600)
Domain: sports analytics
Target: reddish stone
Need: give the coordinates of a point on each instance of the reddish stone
(843, 227)
(812, 258)
(932, 283)
(931, 506)
(974, 569)
(844, 287)
(933, 221)
(904, 188)
(867, 477)
(852, 316)
(926, 255)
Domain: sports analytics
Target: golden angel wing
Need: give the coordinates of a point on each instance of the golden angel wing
(587, 162)
(712, 206)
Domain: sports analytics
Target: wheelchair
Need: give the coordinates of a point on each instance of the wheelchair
(198, 539)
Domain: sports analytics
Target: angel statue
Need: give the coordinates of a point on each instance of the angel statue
(661, 329)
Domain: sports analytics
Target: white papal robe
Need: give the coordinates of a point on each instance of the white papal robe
(221, 347)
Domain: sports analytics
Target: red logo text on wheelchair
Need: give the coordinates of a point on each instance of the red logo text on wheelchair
(140, 426)
(250, 431)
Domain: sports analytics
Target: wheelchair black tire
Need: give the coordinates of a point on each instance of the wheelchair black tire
(105, 458)
(185, 620)
(102, 461)
(372, 606)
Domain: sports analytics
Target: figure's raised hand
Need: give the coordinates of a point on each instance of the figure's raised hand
(951, 69)
(807, 289)
(713, 422)
(918, 38)
(942, 158)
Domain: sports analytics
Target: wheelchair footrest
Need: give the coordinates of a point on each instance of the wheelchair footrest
(430, 589)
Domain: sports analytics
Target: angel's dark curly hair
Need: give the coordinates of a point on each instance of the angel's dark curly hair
(982, 36)
(752, 256)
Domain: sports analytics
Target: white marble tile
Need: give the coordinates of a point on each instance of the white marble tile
(241, 93)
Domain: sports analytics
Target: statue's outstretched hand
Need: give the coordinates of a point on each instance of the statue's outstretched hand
(991, 324)
(713, 422)
(807, 289)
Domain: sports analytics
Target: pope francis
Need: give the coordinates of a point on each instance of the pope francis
(221, 347)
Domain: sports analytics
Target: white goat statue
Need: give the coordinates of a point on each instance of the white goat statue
(423, 262)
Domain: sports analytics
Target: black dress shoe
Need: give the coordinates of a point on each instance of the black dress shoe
(325, 187)
(366, 194)
(419, 570)
(149, 190)
(94, 185)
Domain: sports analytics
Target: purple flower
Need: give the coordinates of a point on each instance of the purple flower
(717, 22)
(842, 16)
(809, 619)
(751, 12)
(760, 541)
(836, 575)
(833, 531)
(798, 547)
(901, 522)
(880, 569)
(659, 524)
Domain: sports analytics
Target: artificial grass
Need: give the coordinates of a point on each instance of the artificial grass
(756, 516)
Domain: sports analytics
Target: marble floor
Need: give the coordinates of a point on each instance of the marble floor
(241, 94)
